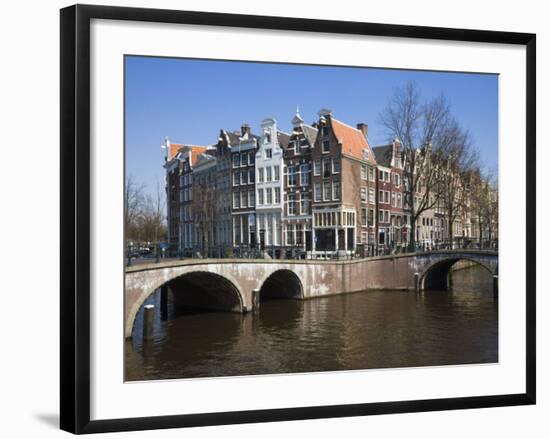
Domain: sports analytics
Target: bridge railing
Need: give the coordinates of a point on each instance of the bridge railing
(160, 252)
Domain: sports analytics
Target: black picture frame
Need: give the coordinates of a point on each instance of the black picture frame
(75, 217)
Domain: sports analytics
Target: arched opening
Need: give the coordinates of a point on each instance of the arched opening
(204, 291)
(189, 293)
(439, 276)
(282, 284)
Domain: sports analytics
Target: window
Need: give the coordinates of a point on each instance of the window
(235, 160)
(299, 237)
(260, 175)
(364, 194)
(267, 136)
(243, 177)
(317, 167)
(326, 191)
(399, 200)
(268, 153)
(317, 191)
(235, 178)
(268, 173)
(393, 201)
(336, 165)
(324, 130)
(387, 197)
(276, 173)
(251, 201)
(260, 197)
(244, 158)
(292, 175)
(251, 158)
(380, 196)
(370, 218)
(381, 175)
(292, 204)
(251, 176)
(326, 146)
(236, 200)
(326, 167)
(268, 196)
(304, 174)
(363, 172)
(363, 237)
(371, 174)
(371, 196)
(277, 195)
(397, 180)
(336, 190)
(305, 204)
(290, 234)
(380, 216)
(244, 199)
(182, 180)
(364, 216)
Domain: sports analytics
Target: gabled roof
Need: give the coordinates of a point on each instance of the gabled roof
(283, 138)
(310, 133)
(235, 138)
(383, 154)
(352, 140)
(174, 149)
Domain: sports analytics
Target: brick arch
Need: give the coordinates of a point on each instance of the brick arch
(282, 283)
(229, 285)
(435, 275)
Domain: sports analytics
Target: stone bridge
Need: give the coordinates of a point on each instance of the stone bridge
(228, 284)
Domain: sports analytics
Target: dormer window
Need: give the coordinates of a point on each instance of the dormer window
(326, 146)
(267, 136)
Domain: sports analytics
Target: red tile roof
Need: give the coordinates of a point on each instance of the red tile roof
(352, 140)
(174, 148)
(195, 152)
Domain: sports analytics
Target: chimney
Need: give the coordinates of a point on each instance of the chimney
(245, 130)
(364, 128)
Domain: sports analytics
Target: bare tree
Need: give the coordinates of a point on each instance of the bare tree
(133, 205)
(144, 213)
(454, 177)
(417, 125)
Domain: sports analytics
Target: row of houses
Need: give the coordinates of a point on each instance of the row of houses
(320, 188)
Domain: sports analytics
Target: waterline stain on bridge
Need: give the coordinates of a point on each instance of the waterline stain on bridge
(370, 329)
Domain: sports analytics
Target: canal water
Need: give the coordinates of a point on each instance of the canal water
(370, 329)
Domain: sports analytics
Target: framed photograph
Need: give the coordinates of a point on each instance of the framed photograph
(275, 218)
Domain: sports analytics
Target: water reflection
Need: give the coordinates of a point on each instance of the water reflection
(372, 329)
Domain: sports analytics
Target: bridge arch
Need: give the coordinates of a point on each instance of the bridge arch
(195, 290)
(436, 275)
(282, 284)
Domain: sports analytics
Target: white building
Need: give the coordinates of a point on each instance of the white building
(269, 185)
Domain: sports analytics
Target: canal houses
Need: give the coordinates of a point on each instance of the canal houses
(243, 147)
(269, 188)
(320, 191)
(298, 194)
(339, 153)
(179, 161)
(205, 196)
(393, 229)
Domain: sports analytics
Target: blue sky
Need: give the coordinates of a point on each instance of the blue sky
(191, 100)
